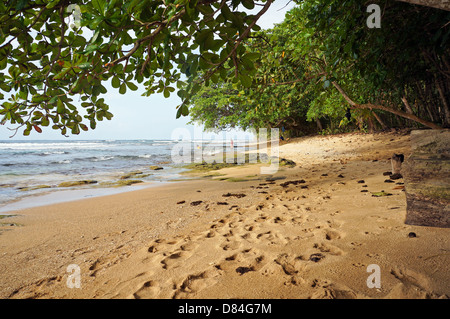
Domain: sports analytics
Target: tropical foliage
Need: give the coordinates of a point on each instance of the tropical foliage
(321, 68)
(54, 53)
(324, 64)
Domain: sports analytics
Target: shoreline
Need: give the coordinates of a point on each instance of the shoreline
(308, 231)
(69, 195)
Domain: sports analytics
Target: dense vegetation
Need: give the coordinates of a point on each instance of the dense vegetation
(322, 69)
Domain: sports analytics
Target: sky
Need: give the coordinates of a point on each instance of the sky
(138, 117)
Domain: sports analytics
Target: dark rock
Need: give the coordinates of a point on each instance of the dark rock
(234, 195)
(243, 270)
(316, 257)
(286, 184)
(396, 176)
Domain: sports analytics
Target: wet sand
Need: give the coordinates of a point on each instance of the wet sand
(309, 231)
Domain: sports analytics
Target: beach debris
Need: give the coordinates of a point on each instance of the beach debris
(234, 195)
(381, 194)
(387, 173)
(412, 235)
(324, 175)
(272, 179)
(396, 176)
(364, 191)
(389, 181)
(316, 257)
(361, 181)
(341, 176)
(222, 203)
(286, 184)
(155, 167)
(196, 203)
(243, 270)
(287, 162)
(181, 202)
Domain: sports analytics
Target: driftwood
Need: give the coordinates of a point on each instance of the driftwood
(426, 174)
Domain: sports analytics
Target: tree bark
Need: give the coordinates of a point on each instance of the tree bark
(407, 106)
(384, 126)
(384, 108)
(319, 125)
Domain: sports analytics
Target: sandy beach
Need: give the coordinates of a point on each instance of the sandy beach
(309, 231)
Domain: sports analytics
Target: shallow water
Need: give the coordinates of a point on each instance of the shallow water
(31, 168)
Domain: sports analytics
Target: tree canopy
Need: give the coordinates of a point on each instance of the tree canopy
(323, 64)
(48, 61)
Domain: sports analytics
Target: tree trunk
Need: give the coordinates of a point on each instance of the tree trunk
(319, 125)
(384, 108)
(407, 106)
(384, 126)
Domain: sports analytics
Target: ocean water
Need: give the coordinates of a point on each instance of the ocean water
(31, 169)
(27, 165)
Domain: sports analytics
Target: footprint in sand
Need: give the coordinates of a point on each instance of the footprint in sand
(332, 234)
(411, 285)
(326, 289)
(272, 238)
(148, 290)
(161, 245)
(230, 245)
(173, 260)
(327, 248)
(247, 260)
(195, 282)
(292, 266)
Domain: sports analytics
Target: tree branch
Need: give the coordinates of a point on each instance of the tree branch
(384, 108)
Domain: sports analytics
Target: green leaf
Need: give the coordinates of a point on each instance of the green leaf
(123, 88)
(61, 74)
(166, 93)
(245, 80)
(85, 65)
(249, 4)
(115, 82)
(132, 86)
(51, 4)
(75, 129)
